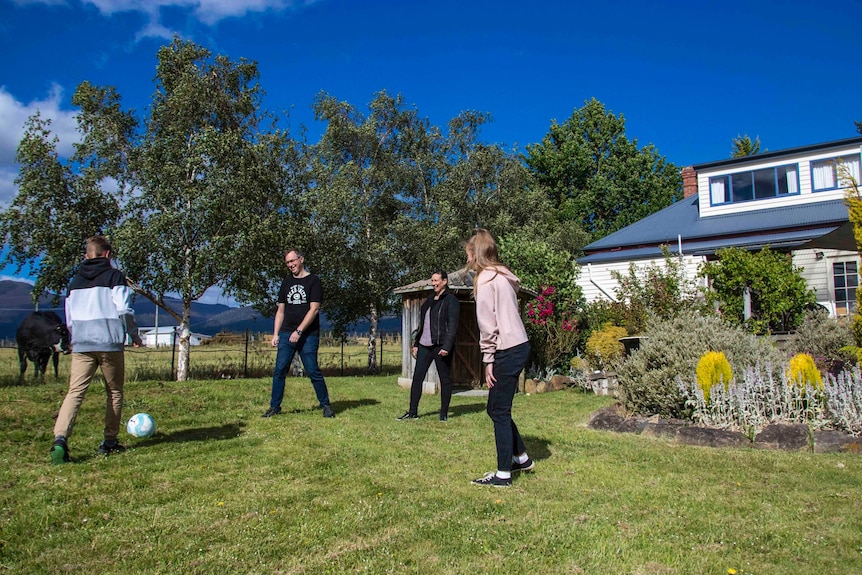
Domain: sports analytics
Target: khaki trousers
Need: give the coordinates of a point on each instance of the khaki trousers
(83, 369)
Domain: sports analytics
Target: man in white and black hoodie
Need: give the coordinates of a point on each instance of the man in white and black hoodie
(99, 315)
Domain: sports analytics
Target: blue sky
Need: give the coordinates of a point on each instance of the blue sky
(687, 76)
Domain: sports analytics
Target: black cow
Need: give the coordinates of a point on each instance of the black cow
(40, 336)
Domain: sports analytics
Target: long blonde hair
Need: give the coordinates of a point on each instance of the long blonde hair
(483, 252)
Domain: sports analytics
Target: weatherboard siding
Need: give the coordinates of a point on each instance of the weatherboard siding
(806, 194)
(817, 272)
(598, 283)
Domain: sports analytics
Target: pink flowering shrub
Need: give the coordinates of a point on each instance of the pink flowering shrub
(553, 329)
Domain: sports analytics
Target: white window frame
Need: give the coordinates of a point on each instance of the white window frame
(820, 168)
(849, 309)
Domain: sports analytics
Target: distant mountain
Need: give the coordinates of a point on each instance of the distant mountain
(208, 319)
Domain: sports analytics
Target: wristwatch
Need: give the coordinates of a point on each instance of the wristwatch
(299, 332)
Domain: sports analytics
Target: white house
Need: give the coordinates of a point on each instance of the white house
(165, 336)
(790, 200)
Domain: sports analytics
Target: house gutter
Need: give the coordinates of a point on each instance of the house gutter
(600, 288)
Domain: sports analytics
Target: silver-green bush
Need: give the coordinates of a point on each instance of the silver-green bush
(823, 338)
(672, 348)
(759, 398)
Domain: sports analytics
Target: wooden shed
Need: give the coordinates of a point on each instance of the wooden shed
(467, 369)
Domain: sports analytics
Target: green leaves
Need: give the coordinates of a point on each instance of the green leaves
(596, 177)
(779, 294)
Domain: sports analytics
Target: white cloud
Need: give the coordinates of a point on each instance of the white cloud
(207, 11)
(13, 116)
(29, 281)
(214, 295)
(8, 189)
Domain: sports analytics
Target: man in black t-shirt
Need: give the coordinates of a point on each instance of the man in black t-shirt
(297, 329)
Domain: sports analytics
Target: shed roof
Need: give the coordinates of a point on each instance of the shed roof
(459, 281)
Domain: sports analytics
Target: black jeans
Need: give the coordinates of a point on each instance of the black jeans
(508, 365)
(424, 356)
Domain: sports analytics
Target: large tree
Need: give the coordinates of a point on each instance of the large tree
(463, 183)
(363, 168)
(195, 199)
(744, 146)
(393, 197)
(598, 179)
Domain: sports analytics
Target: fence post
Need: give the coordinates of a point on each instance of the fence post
(342, 355)
(245, 359)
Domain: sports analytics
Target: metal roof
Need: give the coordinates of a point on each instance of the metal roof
(777, 153)
(776, 240)
(773, 226)
(783, 226)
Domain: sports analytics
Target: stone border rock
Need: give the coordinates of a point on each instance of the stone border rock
(789, 436)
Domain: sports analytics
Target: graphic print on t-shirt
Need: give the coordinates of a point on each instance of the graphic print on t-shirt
(296, 295)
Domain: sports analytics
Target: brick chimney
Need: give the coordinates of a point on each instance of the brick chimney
(689, 182)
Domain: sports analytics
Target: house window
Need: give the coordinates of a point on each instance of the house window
(831, 174)
(754, 185)
(845, 278)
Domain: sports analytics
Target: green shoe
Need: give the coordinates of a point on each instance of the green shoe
(60, 454)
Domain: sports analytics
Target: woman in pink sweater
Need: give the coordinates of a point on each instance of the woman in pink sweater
(505, 352)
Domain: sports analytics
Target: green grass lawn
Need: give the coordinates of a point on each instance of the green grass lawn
(218, 490)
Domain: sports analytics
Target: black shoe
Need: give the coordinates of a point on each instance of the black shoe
(327, 411)
(272, 411)
(407, 415)
(444, 417)
(526, 466)
(492, 480)
(60, 452)
(107, 447)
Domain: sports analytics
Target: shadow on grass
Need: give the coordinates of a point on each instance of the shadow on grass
(341, 406)
(227, 431)
(337, 406)
(464, 409)
(537, 447)
(28, 380)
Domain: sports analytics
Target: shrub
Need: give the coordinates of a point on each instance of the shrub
(672, 349)
(552, 328)
(578, 372)
(759, 398)
(825, 339)
(801, 371)
(713, 369)
(652, 289)
(604, 349)
(779, 293)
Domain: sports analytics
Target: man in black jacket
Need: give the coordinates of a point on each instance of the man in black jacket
(435, 341)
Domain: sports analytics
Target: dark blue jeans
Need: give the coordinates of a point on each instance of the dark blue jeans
(307, 348)
(424, 356)
(508, 365)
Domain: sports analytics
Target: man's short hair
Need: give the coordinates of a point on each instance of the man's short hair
(97, 246)
(298, 253)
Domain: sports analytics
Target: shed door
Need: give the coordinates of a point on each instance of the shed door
(467, 364)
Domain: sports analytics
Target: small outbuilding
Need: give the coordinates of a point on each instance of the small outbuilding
(165, 336)
(467, 369)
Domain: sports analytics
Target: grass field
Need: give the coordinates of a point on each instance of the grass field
(220, 490)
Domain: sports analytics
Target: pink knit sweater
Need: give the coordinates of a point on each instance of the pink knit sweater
(497, 313)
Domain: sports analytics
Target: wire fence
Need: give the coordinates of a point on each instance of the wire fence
(230, 356)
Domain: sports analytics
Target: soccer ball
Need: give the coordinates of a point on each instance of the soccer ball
(141, 425)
